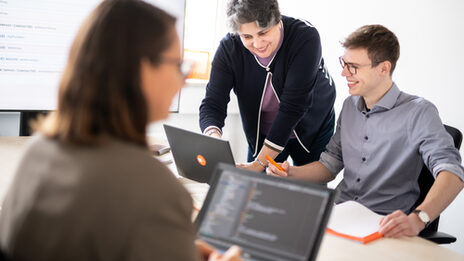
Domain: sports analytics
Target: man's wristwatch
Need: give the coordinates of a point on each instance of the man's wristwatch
(424, 217)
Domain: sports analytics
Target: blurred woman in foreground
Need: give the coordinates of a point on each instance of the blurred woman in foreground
(87, 187)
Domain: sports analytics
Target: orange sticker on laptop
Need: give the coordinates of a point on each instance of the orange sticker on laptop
(201, 160)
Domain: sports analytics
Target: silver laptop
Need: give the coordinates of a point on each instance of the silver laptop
(196, 155)
(270, 218)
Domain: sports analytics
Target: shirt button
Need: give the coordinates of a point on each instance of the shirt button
(366, 138)
(363, 159)
(355, 198)
(367, 115)
(358, 179)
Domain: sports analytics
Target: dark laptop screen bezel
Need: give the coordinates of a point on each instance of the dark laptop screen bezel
(330, 197)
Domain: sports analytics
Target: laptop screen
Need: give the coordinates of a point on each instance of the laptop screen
(270, 218)
(196, 155)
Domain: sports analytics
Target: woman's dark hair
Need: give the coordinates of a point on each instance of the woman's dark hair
(99, 92)
(265, 12)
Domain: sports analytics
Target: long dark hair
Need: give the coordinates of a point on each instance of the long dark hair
(100, 93)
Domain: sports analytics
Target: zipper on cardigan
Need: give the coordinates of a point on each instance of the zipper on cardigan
(294, 131)
(269, 74)
(267, 68)
(259, 113)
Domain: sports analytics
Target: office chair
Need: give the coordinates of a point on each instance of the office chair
(425, 181)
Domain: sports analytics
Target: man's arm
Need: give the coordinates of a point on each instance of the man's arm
(443, 191)
(442, 158)
(314, 171)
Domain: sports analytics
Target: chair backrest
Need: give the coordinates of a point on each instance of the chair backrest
(426, 178)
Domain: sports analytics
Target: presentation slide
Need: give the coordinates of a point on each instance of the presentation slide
(35, 37)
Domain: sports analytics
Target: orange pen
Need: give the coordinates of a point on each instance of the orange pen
(274, 163)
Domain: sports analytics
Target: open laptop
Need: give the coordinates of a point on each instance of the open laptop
(195, 154)
(270, 218)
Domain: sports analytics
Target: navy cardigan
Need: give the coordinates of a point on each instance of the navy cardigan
(304, 88)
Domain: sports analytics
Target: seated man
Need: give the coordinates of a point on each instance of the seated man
(382, 138)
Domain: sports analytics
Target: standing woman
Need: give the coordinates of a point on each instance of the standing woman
(274, 65)
(87, 187)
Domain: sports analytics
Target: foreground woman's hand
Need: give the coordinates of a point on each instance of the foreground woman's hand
(207, 252)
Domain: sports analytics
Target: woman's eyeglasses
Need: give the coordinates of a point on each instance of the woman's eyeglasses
(184, 66)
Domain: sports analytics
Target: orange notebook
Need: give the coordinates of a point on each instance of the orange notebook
(354, 221)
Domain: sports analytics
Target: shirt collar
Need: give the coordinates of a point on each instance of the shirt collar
(387, 102)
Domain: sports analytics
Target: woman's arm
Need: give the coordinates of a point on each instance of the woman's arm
(213, 108)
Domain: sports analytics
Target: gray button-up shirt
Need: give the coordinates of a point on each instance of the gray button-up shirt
(383, 150)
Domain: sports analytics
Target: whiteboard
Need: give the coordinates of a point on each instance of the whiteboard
(35, 37)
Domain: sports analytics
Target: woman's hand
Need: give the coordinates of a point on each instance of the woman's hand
(253, 166)
(232, 254)
(204, 249)
(213, 132)
(207, 252)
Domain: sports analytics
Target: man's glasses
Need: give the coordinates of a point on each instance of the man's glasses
(184, 67)
(353, 69)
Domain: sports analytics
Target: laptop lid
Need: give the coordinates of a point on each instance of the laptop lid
(195, 154)
(270, 218)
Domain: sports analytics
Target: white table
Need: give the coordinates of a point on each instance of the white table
(332, 248)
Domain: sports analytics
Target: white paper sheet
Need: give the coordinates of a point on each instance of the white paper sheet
(354, 219)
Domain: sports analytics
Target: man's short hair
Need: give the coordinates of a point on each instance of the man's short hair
(381, 44)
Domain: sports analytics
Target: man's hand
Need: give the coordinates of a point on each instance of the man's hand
(398, 224)
(273, 171)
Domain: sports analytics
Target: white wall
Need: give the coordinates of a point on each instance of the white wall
(431, 35)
